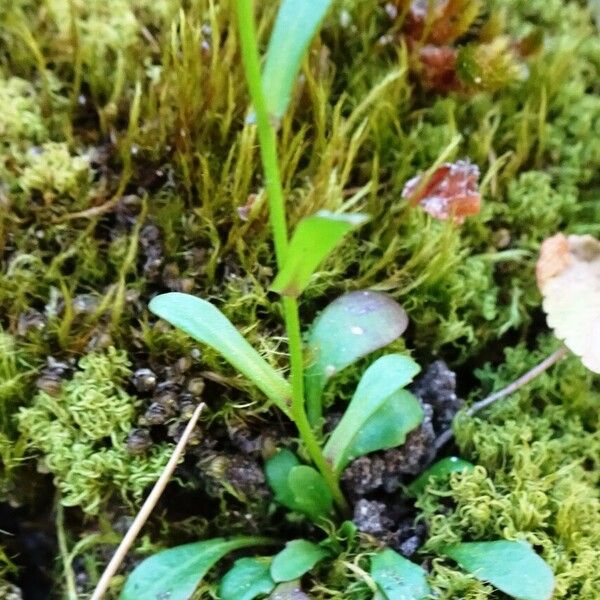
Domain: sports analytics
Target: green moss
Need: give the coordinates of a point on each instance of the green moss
(81, 434)
(15, 375)
(105, 100)
(538, 454)
(53, 172)
(21, 117)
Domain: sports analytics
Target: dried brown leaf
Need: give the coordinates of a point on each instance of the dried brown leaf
(438, 68)
(568, 275)
(450, 192)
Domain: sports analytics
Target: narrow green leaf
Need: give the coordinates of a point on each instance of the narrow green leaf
(511, 566)
(248, 578)
(398, 578)
(176, 573)
(442, 469)
(311, 493)
(297, 558)
(380, 413)
(351, 327)
(296, 24)
(299, 487)
(315, 237)
(277, 470)
(207, 324)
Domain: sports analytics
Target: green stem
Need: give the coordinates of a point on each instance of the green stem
(71, 590)
(266, 133)
(268, 149)
(292, 324)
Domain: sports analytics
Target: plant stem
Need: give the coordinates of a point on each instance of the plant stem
(266, 133)
(292, 323)
(507, 391)
(268, 150)
(71, 590)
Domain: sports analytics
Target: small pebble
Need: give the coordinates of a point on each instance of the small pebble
(138, 441)
(195, 386)
(167, 397)
(85, 304)
(144, 380)
(50, 382)
(157, 414)
(30, 320)
(184, 364)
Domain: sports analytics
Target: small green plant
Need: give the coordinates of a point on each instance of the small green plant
(358, 324)
(379, 416)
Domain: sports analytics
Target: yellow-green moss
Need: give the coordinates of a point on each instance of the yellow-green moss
(21, 117)
(80, 435)
(104, 100)
(538, 457)
(15, 374)
(52, 171)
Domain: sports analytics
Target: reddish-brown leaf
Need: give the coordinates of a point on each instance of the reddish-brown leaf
(450, 192)
(438, 68)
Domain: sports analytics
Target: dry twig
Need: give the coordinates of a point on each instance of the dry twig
(146, 509)
(445, 437)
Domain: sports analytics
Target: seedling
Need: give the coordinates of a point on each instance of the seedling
(379, 416)
(348, 329)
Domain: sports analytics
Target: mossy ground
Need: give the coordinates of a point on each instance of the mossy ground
(117, 117)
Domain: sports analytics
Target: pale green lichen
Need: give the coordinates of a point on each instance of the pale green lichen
(81, 435)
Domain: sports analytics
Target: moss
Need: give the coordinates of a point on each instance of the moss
(538, 455)
(21, 117)
(120, 115)
(81, 435)
(15, 376)
(53, 172)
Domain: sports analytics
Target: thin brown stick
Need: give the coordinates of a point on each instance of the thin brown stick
(446, 436)
(146, 509)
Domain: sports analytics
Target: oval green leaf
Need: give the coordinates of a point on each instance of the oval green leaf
(397, 577)
(247, 579)
(290, 590)
(386, 428)
(511, 566)
(380, 414)
(277, 470)
(351, 327)
(314, 238)
(299, 487)
(442, 469)
(297, 558)
(206, 323)
(296, 24)
(176, 573)
(311, 493)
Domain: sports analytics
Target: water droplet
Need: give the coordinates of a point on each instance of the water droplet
(356, 330)
(330, 370)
